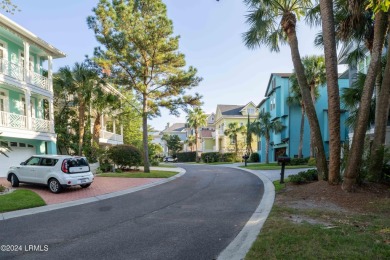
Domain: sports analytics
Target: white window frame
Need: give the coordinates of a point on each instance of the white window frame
(6, 99)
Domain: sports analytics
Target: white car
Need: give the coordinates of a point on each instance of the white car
(55, 171)
(170, 159)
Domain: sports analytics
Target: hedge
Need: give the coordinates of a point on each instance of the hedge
(255, 157)
(125, 156)
(186, 157)
(210, 157)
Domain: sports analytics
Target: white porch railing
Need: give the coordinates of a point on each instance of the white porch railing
(39, 80)
(20, 122)
(111, 136)
(13, 120)
(16, 71)
(41, 125)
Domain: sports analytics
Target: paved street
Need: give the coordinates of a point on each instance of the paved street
(193, 217)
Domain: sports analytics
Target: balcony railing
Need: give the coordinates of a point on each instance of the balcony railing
(111, 136)
(41, 125)
(13, 120)
(20, 122)
(16, 71)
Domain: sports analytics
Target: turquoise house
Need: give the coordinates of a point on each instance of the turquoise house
(287, 142)
(26, 94)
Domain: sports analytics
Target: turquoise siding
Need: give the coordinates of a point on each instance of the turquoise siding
(290, 117)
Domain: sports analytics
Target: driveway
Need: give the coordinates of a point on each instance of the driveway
(100, 186)
(193, 217)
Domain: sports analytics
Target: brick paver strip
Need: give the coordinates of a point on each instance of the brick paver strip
(100, 186)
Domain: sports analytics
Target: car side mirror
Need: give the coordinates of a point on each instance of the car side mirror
(23, 163)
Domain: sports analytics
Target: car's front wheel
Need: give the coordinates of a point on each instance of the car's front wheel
(14, 180)
(85, 185)
(54, 186)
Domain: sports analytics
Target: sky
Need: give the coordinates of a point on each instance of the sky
(210, 37)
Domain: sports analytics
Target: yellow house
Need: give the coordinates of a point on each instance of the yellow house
(225, 114)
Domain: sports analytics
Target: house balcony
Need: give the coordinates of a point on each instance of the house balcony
(16, 121)
(110, 138)
(17, 72)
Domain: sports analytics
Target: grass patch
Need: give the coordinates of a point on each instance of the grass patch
(20, 199)
(152, 174)
(351, 236)
(273, 166)
(165, 166)
(278, 186)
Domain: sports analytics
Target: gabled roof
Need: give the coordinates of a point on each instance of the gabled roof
(230, 110)
(282, 75)
(176, 127)
(250, 103)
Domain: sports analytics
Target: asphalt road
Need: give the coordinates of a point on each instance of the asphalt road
(193, 217)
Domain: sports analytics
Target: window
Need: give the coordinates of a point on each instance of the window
(33, 161)
(22, 145)
(232, 141)
(48, 162)
(251, 111)
(14, 144)
(4, 144)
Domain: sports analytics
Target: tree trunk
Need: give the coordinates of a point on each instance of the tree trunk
(96, 130)
(81, 125)
(267, 150)
(328, 31)
(145, 134)
(381, 117)
(196, 144)
(356, 151)
(322, 167)
(313, 99)
(301, 132)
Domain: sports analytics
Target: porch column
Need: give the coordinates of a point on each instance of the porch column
(121, 130)
(50, 72)
(216, 140)
(26, 68)
(114, 129)
(51, 114)
(27, 95)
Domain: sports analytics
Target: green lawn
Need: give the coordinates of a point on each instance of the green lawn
(152, 174)
(273, 166)
(20, 199)
(344, 236)
(166, 165)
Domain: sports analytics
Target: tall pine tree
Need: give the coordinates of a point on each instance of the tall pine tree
(141, 53)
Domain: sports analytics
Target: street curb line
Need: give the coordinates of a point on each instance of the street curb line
(30, 211)
(241, 244)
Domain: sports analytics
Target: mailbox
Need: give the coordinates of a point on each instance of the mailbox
(284, 159)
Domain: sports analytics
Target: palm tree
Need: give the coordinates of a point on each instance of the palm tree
(295, 98)
(80, 81)
(196, 118)
(272, 22)
(191, 140)
(316, 77)
(4, 148)
(265, 127)
(232, 131)
(356, 151)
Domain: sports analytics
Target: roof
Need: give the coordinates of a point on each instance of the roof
(282, 75)
(230, 110)
(15, 28)
(176, 127)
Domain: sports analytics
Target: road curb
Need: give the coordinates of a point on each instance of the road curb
(241, 244)
(25, 212)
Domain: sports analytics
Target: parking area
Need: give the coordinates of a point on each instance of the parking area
(100, 186)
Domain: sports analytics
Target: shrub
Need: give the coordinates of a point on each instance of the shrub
(304, 176)
(312, 161)
(228, 157)
(299, 161)
(255, 157)
(210, 157)
(154, 162)
(118, 171)
(125, 156)
(105, 166)
(186, 157)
